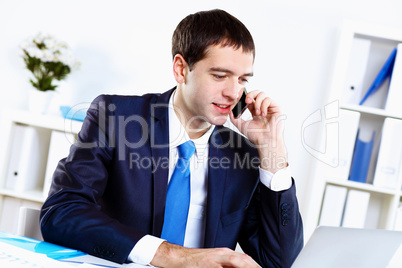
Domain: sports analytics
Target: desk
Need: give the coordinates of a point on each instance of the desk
(19, 251)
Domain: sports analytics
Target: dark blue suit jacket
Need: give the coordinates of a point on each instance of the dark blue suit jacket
(110, 191)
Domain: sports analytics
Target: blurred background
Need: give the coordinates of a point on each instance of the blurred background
(124, 48)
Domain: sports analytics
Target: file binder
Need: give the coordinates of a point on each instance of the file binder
(356, 208)
(393, 103)
(398, 218)
(348, 127)
(359, 55)
(26, 166)
(73, 114)
(383, 75)
(58, 149)
(388, 168)
(361, 159)
(346, 136)
(332, 206)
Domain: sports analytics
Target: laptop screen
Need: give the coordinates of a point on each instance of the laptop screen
(349, 247)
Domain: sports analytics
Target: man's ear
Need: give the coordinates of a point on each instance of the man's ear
(180, 68)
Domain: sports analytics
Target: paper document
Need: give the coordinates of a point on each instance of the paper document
(20, 251)
(12, 256)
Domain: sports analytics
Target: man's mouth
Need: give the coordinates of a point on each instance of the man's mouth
(223, 108)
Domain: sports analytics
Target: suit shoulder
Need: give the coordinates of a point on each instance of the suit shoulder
(123, 103)
(106, 98)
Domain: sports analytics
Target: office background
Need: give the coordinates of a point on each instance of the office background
(124, 47)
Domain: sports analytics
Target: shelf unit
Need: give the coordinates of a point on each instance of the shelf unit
(11, 198)
(384, 202)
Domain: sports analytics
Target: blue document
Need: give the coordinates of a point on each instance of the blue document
(53, 251)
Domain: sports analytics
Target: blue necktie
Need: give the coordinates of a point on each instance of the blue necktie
(178, 197)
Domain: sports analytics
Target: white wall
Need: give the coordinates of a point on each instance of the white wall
(124, 47)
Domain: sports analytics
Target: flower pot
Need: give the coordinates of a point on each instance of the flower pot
(39, 101)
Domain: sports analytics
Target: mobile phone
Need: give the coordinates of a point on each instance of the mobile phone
(241, 106)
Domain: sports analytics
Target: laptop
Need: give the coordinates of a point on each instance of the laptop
(350, 247)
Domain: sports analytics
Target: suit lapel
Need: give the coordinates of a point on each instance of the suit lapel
(216, 186)
(159, 142)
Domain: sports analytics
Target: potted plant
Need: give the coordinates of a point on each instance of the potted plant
(48, 60)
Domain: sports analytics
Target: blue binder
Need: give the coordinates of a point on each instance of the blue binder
(73, 114)
(384, 74)
(361, 159)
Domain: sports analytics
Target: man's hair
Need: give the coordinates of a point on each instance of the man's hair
(196, 32)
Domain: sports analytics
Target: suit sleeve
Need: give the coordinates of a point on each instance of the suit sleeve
(72, 216)
(273, 229)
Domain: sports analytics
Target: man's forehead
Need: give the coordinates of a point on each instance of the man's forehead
(221, 47)
(228, 59)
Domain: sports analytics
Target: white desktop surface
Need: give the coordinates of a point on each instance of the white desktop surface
(12, 255)
(92, 261)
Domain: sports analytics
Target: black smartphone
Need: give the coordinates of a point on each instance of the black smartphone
(241, 106)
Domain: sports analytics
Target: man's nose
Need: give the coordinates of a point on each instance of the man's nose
(233, 90)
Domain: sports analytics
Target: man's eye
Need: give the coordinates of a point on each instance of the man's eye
(219, 76)
(243, 80)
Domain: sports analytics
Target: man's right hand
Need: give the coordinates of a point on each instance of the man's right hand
(170, 255)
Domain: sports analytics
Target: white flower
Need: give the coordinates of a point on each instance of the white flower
(56, 58)
(61, 45)
(39, 38)
(46, 48)
(26, 44)
(34, 52)
(47, 56)
(50, 44)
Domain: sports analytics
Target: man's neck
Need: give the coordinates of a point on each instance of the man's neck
(194, 127)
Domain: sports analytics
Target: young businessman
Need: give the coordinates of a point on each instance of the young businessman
(116, 195)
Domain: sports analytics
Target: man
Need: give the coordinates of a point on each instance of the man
(113, 195)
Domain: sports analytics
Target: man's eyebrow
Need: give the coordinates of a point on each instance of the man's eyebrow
(223, 70)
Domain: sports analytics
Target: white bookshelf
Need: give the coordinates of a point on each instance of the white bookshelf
(11, 199)
(370, 111)
(384, 201)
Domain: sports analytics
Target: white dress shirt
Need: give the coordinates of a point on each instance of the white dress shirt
(145, 249)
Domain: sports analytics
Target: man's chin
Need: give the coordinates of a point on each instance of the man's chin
(219, 120)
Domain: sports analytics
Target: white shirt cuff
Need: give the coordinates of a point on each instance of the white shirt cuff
(145, 249)
(281, 180)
